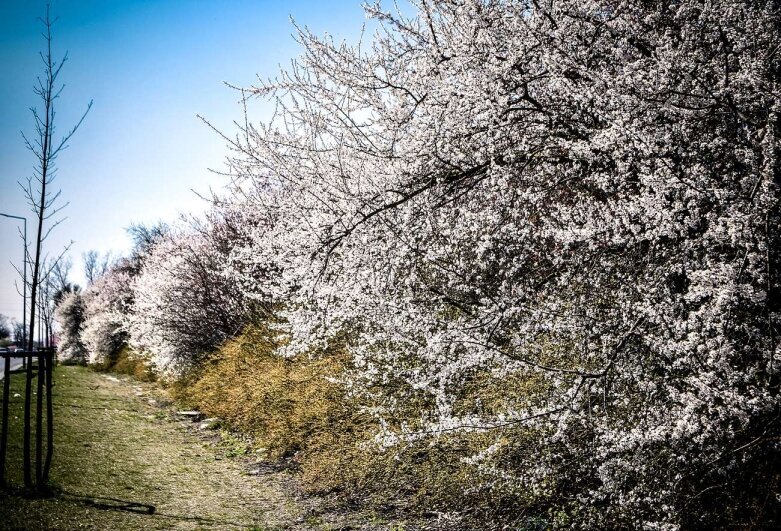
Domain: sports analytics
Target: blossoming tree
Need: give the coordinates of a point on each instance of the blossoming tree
(578, 196)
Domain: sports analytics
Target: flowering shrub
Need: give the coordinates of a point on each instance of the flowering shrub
(107, 304)
(578, 194)
(548, 231)
(70, 315)
(184, 307)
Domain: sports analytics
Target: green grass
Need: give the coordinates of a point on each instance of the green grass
(121, 463)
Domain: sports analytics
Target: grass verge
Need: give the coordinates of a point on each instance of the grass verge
(121, 464)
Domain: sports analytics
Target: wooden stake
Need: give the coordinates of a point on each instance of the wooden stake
(4, 430)
(49, 417)
(39, 425)
(28, 480)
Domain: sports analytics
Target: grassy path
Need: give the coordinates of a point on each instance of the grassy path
(123, 462)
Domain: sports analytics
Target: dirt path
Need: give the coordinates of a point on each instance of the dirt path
(123, 462)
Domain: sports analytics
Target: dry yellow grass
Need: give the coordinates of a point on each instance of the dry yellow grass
(297, 408)
(126, 361)
(293, 407)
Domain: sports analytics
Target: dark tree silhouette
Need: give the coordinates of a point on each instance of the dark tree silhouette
(43, 199)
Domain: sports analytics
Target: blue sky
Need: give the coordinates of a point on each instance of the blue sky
(150, 67)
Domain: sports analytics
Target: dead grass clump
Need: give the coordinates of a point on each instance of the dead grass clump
(126, 361)
(298, 408)
(476, 473)
(293, 407)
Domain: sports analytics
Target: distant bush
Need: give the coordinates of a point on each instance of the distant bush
(70, 314)
(106, 303)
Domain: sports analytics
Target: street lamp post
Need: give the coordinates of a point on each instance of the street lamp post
(24, 281)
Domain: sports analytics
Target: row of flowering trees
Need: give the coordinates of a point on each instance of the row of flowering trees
(571, 204)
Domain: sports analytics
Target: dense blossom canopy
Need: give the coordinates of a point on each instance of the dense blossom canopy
(107, 305)
(583, 193)
(580, 197)
(183, 305)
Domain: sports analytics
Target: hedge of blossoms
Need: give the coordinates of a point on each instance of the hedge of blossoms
(184, 307)
(580, 195)
(107, 304)
(70, 315)
(109, 300)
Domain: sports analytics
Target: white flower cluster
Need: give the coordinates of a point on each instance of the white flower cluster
(579, 196)
(107, 304)
(183, 306)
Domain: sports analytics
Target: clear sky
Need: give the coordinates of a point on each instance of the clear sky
(150, 66)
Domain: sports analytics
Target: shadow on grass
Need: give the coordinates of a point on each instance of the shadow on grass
(105, 503)
(78, 406)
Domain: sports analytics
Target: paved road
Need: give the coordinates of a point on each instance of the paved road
(15, 363)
